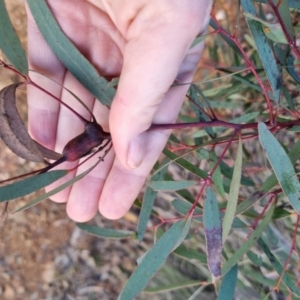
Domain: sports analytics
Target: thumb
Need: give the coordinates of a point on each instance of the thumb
(152, 58)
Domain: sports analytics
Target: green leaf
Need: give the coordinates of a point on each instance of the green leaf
(183, 207)
(58, 189)
(250, 241)
(285, 14)
(228, 284)
(213, 232)
(282, 166)
(268, 184)
(105, 232)
(171, 185)
(255, 259)
(198, 40)
(264, 50)
(29, 185)
(10, 43)
(278, 268)
(172, 286)
(225, 37)
(273, 31)
(291, 3)
(290, 67)
(185, 164)
(228, 173)
(154, 259)
(217, 176)
(234, 193)
(200, 107)
(188, 253)
(69, 55)
(148, 201)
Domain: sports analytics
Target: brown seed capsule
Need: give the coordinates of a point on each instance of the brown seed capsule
(83, 144)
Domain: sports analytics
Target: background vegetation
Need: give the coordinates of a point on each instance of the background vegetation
(224, 195)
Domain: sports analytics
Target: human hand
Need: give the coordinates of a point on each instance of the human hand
(147, 43)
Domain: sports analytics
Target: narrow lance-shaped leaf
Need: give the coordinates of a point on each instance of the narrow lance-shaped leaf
(148, 201)
(281, 165)
(10, 43)
(291, 3)
(154, 259)
(288, 281)
(68, 54)
(59, 188)
(200, 107)
(285, 14)
(213, 232)
(185, 164)
(29, 185)
(273, 31)
(228, 284)
(268, 184)
(217, 176)
(171, 185)
(234, 193)
(250, 241)
(105, 232)
(264, 50)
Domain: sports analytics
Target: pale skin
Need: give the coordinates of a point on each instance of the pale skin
(147, 44)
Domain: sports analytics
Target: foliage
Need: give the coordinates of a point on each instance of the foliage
(244, 111)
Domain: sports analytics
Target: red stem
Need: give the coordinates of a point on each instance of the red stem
(291, 42)
(29, 81)
(250, 66)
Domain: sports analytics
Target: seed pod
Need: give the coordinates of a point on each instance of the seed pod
(83, 144)
(13, 131)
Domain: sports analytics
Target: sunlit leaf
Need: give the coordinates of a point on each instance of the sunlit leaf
(281, 165)
(234, 193)
(217, 176)
(272, 30)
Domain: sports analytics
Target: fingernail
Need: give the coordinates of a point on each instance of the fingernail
(135, 153)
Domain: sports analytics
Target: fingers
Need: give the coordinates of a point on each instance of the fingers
(123, 185)
(144, 96)
(84, 195)
(151, 64)
(42, 109)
